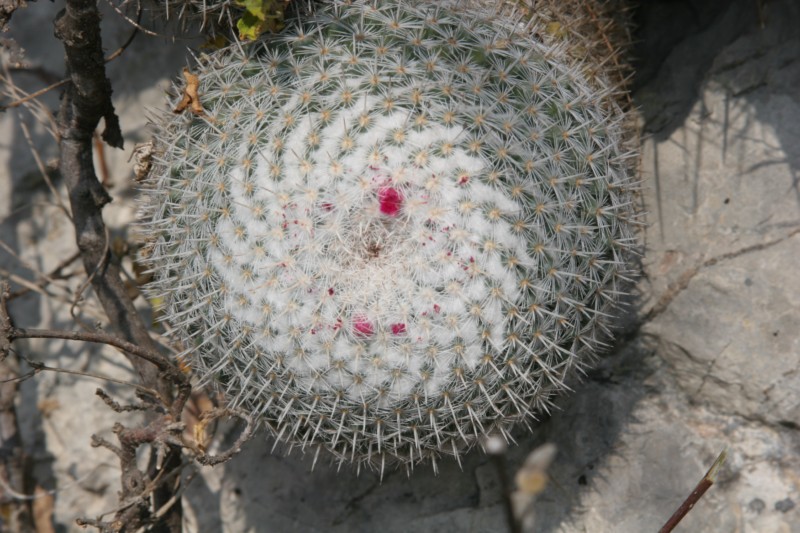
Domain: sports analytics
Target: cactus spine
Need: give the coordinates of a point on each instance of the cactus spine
(398, 229)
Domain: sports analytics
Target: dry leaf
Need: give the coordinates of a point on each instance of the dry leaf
(200, 435)
(191, 98)
(46, 406)
(197, 427)
(43, 511)
(532, 477)
(143, 155)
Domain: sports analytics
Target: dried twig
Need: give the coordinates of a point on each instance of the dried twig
(60, 83)
(151, 356)
(116, 406)
(135, 23)
(214, 414)
(160, 433)
(18, 511)
(86, 100)
(43, 170)
(7, 8)
(39, 110)
(36, 94)
(697, 493)
(55, 273)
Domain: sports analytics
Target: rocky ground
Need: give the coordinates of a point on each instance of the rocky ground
(709, 360)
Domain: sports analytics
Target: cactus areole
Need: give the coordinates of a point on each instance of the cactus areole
(397, 229)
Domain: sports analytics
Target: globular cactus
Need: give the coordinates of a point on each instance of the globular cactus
(396, 229)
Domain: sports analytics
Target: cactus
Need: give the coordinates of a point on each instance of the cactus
(397, 229)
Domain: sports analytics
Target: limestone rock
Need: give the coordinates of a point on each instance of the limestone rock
(710, 361)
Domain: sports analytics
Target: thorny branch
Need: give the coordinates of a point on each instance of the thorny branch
(215, 414)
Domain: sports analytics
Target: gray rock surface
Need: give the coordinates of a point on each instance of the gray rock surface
(710, 361)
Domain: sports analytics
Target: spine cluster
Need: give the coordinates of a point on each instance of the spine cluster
(398, 228)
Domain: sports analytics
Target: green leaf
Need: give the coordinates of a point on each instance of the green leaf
(257, 8)
(250, 27)
(259, 16)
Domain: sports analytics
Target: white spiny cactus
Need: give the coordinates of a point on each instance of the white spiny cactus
(397, 229)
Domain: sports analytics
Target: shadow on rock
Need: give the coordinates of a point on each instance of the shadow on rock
(284, 494)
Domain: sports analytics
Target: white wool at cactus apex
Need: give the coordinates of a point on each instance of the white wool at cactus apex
(396, 229)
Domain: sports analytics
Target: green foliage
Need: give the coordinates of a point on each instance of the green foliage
(260, 16)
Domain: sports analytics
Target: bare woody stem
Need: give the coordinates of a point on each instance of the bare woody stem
(697, 493)
(78, 26)
(86, 100)
(100, 338)
(17, 512)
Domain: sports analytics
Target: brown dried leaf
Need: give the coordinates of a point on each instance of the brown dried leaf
(43, 511)
(532, 477)
(191, 98)
(197, 427)
(143, 156)
(200, 435)
(46, 406)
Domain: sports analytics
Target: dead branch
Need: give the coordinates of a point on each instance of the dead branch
(60, 83)
(101, 338)
(7, 8)
(86, 100)
(161, 433)
(697, 493)
(54, 274)
(18, 512)
(116, 406)
(89, 97)
(214, 414)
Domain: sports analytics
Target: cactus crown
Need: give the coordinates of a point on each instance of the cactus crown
(398, 228)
